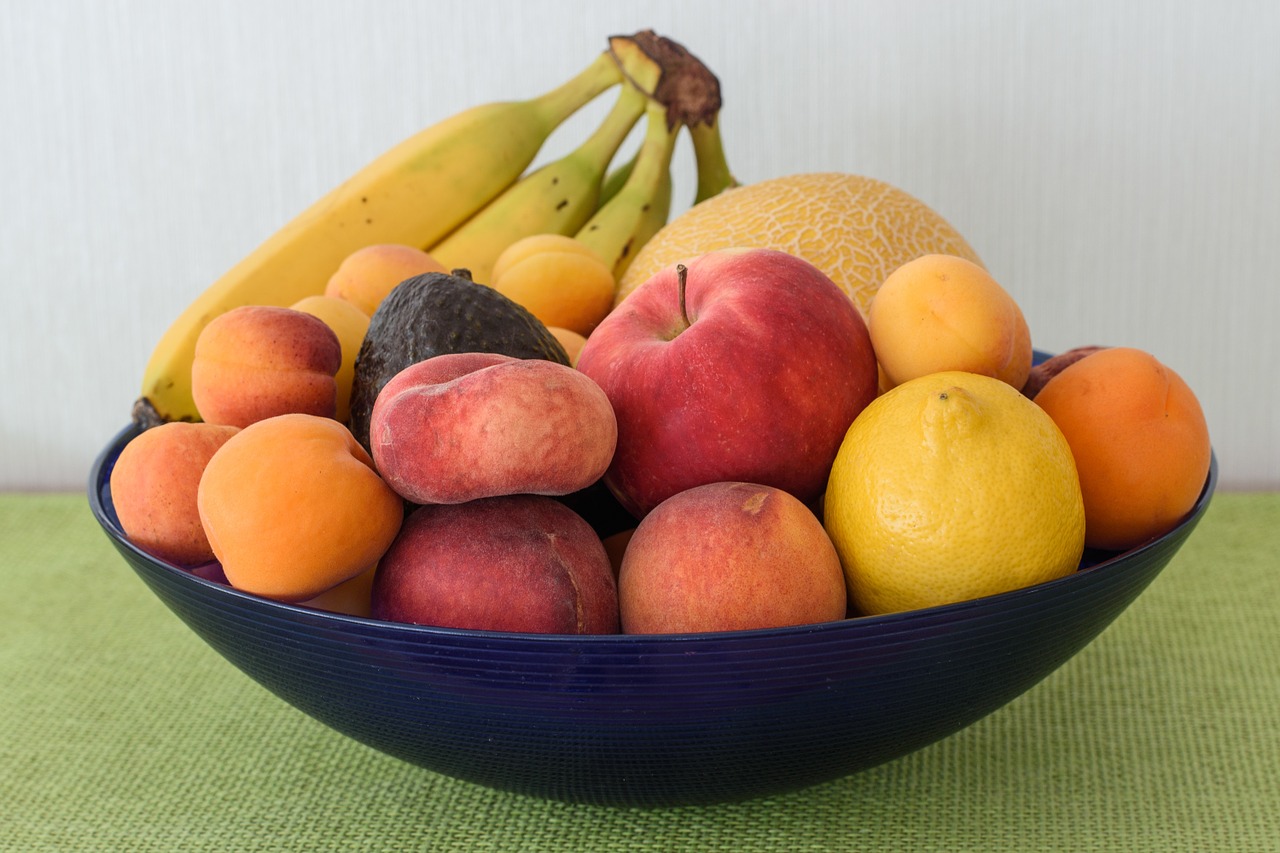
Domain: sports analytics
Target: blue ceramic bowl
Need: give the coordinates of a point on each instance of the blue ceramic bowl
(654, 720)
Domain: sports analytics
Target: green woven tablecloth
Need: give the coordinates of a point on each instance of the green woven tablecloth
(121, 730)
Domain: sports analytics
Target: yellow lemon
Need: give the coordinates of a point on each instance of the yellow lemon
(855, 229)
(952, 486)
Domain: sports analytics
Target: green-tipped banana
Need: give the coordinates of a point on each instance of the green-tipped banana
(714, 176)
(616, 179)
(557, 198)
(644, 73)
(415, 193)
(626, 222)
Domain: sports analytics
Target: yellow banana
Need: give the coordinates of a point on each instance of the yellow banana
(415, 193)
(557, 198)
(626, 222)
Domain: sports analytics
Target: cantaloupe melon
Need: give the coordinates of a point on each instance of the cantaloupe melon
(855, 229)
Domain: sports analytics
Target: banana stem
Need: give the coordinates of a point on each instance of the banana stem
(566, 99)
(714, 176)
(679, 81)
(669, 74)
(638, 66)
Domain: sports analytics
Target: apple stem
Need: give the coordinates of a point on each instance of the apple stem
(682, 277)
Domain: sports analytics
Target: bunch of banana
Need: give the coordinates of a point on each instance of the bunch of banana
(460, 190)
(555, 199)
(691, 93)
(637, 198)
(640, 206)
(628, 205)
(615, 213)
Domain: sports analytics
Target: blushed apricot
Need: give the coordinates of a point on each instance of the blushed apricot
(292, 507)
(366, 276)
(258, 361)
(1140, 442)
(153, 488)
(944, 312)
(729, 556)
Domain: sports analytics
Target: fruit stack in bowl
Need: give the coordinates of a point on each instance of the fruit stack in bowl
(535, 405)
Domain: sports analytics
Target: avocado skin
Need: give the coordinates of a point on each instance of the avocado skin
(434, 314)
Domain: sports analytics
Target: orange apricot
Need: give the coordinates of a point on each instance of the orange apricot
(537, 244)
(558, 279)
(616, 546)
(352, 597)
(153, 489)
(292, 507)
(366, 276)
(350, 324)
(944, 312)
(570, 340)
(1140, 442)
(1052, 366)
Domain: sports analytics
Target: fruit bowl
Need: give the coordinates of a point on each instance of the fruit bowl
(654, 720)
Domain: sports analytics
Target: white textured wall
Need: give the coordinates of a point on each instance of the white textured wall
(1116, 164)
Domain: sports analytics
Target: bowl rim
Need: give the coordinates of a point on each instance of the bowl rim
(99, 479)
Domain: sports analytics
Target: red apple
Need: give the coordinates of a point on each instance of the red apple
(748, 365)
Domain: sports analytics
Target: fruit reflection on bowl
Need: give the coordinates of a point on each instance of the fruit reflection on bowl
(661, 719)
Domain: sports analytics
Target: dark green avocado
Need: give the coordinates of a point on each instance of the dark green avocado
(434, 314)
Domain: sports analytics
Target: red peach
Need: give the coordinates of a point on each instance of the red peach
(462, 426)
(522, 563)
(729, 556)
